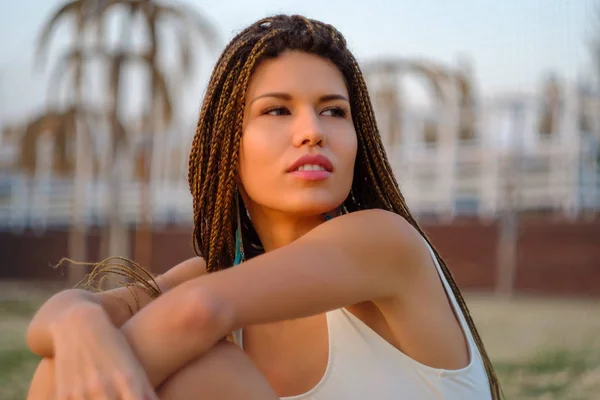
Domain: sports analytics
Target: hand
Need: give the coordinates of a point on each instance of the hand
(93, 360)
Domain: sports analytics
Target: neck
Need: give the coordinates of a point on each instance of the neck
(276, 229)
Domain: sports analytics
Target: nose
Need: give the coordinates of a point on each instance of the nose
(308, 130)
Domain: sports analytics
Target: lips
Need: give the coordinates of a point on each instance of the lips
(311, 162)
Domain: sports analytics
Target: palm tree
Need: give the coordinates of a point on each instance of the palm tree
(60, 127)
(436, 78)
(119, 138)
(387, 95)
(92, 12)
(84, 13)
(439, 79)
(120, 143)
(187, 21)
(387, 99)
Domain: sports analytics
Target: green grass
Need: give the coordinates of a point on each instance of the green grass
(552, 361)
(16, 369)
(14, 360)
(17, 363)
(18, 308)
(552, 374)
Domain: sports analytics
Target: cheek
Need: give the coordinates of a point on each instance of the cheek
(347, 150)
(259, 154)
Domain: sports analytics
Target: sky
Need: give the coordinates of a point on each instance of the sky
(511, 44)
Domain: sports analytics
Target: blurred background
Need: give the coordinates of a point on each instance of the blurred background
(490, 113)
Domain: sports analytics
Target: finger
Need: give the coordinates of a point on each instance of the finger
(61, 385)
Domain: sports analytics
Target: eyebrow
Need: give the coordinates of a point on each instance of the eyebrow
(287, 96)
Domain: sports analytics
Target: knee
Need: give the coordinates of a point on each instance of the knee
(224, 372)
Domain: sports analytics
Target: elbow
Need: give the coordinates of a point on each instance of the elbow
(200, 311)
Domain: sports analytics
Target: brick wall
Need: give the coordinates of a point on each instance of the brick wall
(553, 257)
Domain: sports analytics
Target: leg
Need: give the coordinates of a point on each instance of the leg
(224, 373)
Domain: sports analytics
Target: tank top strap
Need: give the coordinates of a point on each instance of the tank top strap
(238, 338)
(455, 306)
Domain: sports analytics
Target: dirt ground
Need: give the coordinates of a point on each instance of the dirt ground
(541, 348)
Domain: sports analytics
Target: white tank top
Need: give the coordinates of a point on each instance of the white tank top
(363, 365)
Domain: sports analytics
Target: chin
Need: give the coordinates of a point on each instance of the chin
(302, 203)
(307, 207)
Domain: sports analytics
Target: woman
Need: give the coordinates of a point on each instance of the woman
(337, 295)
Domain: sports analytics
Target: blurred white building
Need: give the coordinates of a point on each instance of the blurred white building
(516, 156)
(507, 163)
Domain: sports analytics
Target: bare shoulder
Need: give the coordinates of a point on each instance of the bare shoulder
(377, 229)
(381, 239)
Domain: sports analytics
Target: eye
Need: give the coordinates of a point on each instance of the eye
(335, 112)
(277, 111)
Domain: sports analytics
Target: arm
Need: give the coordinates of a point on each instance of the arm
(366, 255)
(117, 303)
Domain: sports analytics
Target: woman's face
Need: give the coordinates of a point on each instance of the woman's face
(298, 144)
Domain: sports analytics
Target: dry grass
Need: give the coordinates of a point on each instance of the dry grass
(542, 348)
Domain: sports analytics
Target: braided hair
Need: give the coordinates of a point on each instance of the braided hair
(213, 159)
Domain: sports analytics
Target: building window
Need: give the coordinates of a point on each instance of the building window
(466, 205)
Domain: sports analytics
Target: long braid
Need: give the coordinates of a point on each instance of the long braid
(214, 154)
(392, 192)
(215, 149)
(217, 167)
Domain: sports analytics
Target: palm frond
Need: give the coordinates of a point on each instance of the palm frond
(50, 123)
(75, 8)
(73, 59)
(162, 94)
(434, 76)
(186, 52)
(63, 158)
(189, 17)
